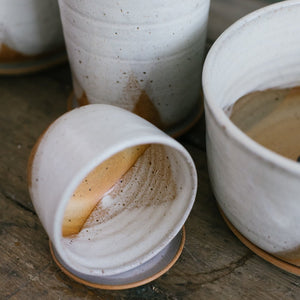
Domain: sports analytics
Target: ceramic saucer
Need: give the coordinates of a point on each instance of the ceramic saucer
(33, 65)
(141, 275)
(261, 253)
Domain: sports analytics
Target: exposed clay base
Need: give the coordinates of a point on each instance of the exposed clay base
(143, 108)
(10, 55)
(265, 255)
(143, 105)
(15, 63)
(146, 109)
(291, 256)
(83, 100)
(174, 131)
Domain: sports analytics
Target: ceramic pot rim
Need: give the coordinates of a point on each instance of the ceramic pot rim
(235, 134)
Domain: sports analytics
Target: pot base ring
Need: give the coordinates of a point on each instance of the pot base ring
(145, 273)
(32, 65)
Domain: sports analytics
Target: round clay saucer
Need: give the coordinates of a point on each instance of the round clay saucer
(141, 275)
(261, 253)
(33, 65)
(175, 131)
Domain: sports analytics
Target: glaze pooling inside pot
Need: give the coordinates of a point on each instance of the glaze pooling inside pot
(154, 169)
(135, 219)
(94, 186)
(271, 118)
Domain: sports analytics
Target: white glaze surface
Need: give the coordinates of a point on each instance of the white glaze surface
(117, 50)
(129, 224)
(257, 189)
(79, 141)
(30, 27)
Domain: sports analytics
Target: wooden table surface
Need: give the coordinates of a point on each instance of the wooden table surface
(214, 264)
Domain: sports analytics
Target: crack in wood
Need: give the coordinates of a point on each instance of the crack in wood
(203, 278)
(227, 270)
(8, 196)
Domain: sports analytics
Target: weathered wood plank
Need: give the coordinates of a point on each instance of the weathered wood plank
(28, 105)
(213, 265)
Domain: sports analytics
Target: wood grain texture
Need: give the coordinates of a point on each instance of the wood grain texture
(214, 264)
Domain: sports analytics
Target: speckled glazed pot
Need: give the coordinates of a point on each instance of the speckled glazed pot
(258, 190)
(29, 28)
(139, 216)
(144, 56)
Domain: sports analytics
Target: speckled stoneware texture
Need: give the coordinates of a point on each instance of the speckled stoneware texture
(138, 216)
(29, 28)
(143, 56)
(257, 189)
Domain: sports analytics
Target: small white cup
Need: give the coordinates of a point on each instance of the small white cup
(141, 217)
(257, 189)
(145, 57)
(29, 28)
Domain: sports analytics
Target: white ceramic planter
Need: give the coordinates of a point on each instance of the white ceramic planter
(29, 28)
(258, 190)
(141, 217)
(144, 56)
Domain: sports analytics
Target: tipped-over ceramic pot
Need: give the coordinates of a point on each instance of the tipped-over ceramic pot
(111, 190)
